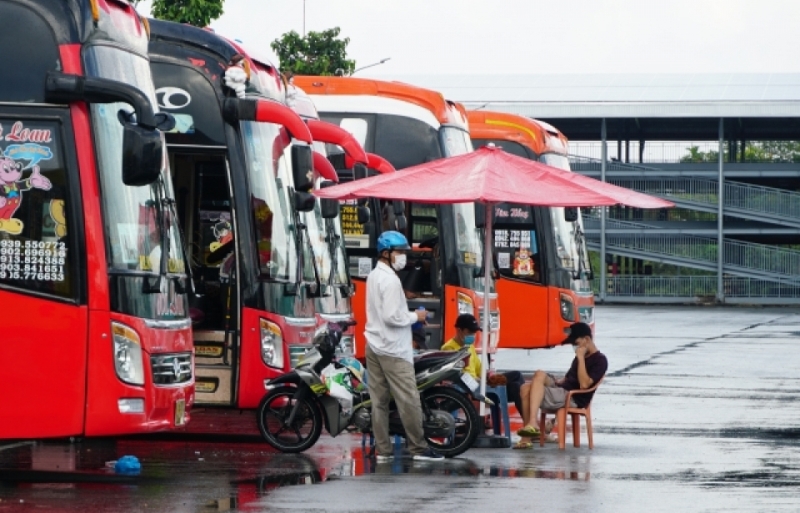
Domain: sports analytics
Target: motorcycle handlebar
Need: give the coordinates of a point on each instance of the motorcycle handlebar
(341, 325)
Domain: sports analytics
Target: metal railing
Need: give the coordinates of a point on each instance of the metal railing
(580, 163)
(695, 286)
(754, 198)
(684, 247)
(781, 262)
(591, 221)
(757, 198)
(664, 152)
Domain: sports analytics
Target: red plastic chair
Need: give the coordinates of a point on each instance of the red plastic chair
(576, 413)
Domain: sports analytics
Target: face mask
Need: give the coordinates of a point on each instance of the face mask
(469, 339)
(399, 262)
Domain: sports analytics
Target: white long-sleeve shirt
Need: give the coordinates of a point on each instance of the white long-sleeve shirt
(388, 329)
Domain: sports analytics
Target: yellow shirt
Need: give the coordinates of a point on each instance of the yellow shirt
(473, 368)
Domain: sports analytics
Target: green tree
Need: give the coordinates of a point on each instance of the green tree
(318, 53)
(194, 12)
(754, 151)
(697, 155)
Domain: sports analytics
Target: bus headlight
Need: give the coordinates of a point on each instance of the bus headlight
(567, 308)
(271, 344)
(127, 354)
(465, 304)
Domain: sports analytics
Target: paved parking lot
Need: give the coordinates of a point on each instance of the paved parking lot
(698, 413)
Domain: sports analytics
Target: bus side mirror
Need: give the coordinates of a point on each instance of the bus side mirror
(399, 207)
(304, 201)
(329, 208)
(302, 167)
(400, 223)
(360, 171)
(142, 155)
(142, 146)
(570, 214)
(337, 161)
(480, 215)
(363, 215)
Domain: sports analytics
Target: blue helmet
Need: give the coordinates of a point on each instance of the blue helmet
(354, 366)
(392, 240)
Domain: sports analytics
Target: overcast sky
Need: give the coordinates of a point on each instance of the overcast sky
(534, 36)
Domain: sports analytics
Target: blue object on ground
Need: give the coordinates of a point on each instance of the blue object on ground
(128, 465)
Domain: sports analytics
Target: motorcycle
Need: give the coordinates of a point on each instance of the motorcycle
(292, 413)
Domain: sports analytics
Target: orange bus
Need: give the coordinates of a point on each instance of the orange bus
(544, 274)
(96, 334)
(408, 125)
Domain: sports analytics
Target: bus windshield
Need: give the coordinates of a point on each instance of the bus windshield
(469, 247)
(320, 232)
(569, 237)
(267, 165)
(139, 221)
(455, 141)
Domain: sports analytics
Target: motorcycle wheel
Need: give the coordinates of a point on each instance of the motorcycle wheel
(272, 413)
(464, 414)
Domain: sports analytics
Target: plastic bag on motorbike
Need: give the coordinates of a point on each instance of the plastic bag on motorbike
(339, 386)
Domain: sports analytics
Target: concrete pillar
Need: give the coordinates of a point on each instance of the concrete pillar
(603, 159)
(720, 208)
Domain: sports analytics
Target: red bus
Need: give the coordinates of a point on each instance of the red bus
(544, 274)
(97, 340)
(408, 125)
(324, 222)
(242, 187)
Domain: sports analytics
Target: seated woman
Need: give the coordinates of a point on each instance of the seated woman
(466, 328)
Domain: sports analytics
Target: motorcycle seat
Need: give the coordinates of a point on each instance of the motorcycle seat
(431, 359)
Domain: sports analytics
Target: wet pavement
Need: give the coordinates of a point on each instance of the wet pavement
(698, 413)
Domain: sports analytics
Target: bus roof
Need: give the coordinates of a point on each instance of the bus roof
(445, 111)
(264, 76)
(73, 21)
(538, 136)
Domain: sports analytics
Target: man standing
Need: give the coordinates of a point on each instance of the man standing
(390, 364)
(546, 392)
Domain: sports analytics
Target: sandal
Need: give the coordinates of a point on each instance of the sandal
(523, 445)
(529, 432)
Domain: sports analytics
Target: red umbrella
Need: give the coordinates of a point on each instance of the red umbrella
(490, 175)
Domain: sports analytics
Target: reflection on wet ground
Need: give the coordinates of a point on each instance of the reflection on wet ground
(700, 416)
(178, 476)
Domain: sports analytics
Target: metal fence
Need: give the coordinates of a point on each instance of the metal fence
(695, 286)
(663, 152)
(748, 255)
(755, 198)
(684, 247)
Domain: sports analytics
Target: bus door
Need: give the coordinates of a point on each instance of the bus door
(42, 293)
(203, 185)
(519, 259)
(422, 278)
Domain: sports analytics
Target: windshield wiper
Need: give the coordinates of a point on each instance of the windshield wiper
(332, 240)
(180, 288)
(307, 241)
(149, 286)
(580, 241)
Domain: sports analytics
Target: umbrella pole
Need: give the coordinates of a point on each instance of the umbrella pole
(487, 260)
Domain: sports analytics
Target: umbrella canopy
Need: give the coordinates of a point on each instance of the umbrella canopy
(490, 175)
